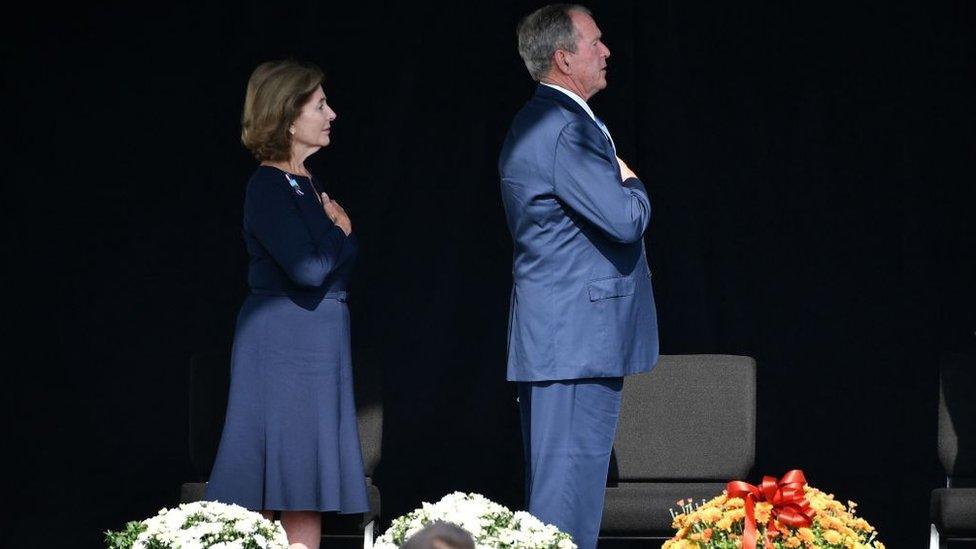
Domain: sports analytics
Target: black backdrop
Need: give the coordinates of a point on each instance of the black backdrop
(810, 165)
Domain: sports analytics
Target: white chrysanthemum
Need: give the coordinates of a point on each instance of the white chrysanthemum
(194, 525)
(490, 524)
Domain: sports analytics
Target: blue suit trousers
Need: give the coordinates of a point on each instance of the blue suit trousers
(568, 428)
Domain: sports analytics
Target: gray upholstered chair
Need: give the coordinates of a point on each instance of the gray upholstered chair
(209, 385)
(686, 428)
(953, 508)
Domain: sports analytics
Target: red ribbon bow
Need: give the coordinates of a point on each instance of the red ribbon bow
(790, 506)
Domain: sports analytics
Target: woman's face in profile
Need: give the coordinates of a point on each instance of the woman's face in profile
(313, 126)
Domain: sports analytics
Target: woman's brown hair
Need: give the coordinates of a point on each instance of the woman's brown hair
(276, 92)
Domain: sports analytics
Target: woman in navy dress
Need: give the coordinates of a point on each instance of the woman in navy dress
(290, 441)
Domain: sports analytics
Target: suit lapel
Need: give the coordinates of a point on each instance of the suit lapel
(546, 93)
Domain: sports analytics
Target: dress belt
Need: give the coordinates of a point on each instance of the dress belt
(338, 295)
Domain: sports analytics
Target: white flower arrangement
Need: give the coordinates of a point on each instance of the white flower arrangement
(492, 526)
(200, 525)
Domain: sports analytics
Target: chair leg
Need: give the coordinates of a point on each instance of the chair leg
(368, 535)
(936, 541)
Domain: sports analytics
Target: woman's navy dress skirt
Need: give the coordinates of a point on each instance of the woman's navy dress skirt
(290, 441)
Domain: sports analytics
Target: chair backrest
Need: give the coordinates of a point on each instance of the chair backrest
(370, 418)
(209, 388)
(691, 418)
(957, 414)
(367, 381)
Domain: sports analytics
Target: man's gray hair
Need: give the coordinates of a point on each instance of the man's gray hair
(440, 535)
(544, 31)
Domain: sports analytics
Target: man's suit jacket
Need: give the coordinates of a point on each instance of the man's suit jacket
(581, 303)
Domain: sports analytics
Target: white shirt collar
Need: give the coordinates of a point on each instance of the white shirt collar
(579, 100)
(574, 97)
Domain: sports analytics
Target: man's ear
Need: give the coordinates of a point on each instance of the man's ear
(561, 61)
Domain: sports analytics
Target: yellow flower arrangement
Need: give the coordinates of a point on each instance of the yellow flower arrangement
(721, 524)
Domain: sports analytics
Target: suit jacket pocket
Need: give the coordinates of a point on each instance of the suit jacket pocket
(606, 288)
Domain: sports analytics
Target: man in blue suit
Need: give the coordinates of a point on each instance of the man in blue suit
(582, 310)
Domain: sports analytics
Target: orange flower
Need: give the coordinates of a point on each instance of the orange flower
(763, 511)
(733, 503)
(830, 523)
(717, 501)
(710, 514)
(836, 524)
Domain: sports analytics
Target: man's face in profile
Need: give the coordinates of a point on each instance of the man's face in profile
(589, 62)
